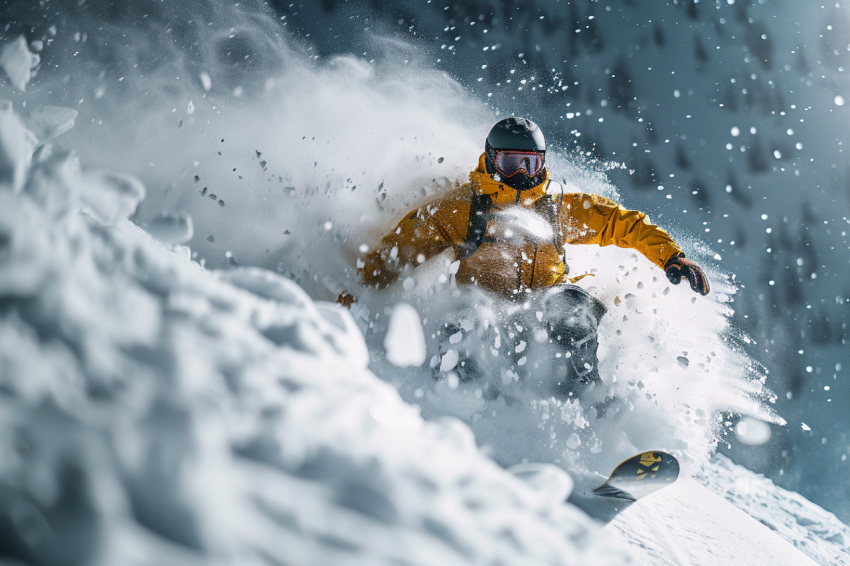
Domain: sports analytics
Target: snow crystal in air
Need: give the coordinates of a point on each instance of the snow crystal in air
(839, 100)
(404, 342)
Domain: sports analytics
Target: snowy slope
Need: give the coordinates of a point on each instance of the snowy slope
(729, 515)
(816, 532)
(688, 525)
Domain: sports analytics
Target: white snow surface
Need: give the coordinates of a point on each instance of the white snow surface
(728, 515)
(154, 412)
(817, 533)
(695, 527)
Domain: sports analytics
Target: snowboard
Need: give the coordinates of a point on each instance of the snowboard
(633, 479)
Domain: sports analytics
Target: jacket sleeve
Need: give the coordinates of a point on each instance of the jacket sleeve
(592, 219)
(420, 235)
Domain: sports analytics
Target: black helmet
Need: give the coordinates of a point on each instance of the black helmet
(515, 153)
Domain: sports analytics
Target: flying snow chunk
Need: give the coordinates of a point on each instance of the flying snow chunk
(48, 122)
(449, 360)
(206, 81)
(111, 197)
(839, 100)
(171, 228)
(18, 62)
(752, 431)
(405, 342)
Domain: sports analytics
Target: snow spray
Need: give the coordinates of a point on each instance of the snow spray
(282, 159)
(298, 163)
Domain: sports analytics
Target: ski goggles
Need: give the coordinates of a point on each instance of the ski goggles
(509, 163)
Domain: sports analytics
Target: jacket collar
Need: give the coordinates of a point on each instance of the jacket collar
(500, 193)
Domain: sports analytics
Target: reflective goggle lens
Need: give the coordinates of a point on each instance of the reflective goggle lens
(509, 163)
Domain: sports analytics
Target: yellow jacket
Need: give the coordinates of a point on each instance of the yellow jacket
(516, 255)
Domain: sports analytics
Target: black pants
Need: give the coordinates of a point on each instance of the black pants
(572, 318)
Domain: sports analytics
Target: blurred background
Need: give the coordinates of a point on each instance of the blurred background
(729, 116)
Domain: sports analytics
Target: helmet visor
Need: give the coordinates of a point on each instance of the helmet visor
(509, 163)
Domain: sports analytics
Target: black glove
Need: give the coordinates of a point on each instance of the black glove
(678, 266)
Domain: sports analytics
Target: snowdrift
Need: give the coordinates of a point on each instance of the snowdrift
(154, 412)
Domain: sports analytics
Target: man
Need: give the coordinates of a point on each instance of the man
(487, 226)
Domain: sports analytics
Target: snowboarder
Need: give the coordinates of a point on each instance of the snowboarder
(480, 222)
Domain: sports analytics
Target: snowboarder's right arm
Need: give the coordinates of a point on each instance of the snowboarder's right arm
(422, 234)
(592, 219)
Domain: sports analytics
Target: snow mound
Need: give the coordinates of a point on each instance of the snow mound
(157, 413)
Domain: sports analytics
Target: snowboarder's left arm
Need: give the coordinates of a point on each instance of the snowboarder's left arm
(592, 219)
